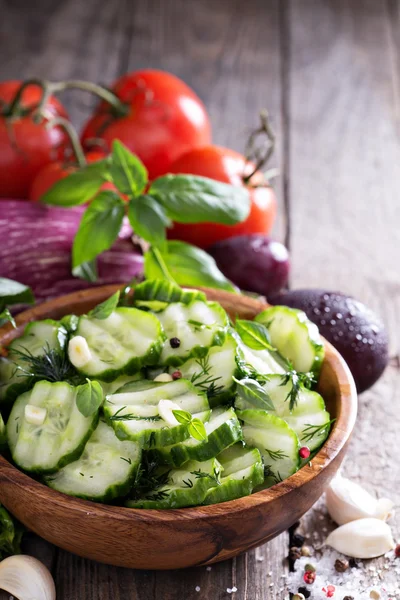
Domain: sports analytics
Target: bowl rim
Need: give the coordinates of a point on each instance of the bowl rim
(337, 440)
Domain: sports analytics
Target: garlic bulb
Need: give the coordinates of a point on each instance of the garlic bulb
(347, 501)
(26, 578)
(363, 538)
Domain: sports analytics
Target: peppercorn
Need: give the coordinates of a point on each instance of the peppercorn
(304, 452)
(354, 564)
(305, 551)
(330, 591)
(309, 577)
(397, 551)
(175, 342)
(298, 540)
(176, 375)
(348, 598)
(306, 593)
(374, 594)
(309, 568)
(341, 565)
(294, 553)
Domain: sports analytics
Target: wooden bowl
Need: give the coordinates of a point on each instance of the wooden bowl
(171, 539)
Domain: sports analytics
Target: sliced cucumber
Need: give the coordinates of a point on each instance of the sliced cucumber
(276, 441)
(128, 339)
(196, 327)
(133, 411)
(262, 362)
(105, 471)
(3, 435)
(295, 337)
(223, 429)
(110, 387)
(213, 373)
(59, 439)
(308, 416)
(185, 487)
(243, 470)
(37, 337)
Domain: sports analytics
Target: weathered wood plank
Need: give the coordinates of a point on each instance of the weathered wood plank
(344, 182)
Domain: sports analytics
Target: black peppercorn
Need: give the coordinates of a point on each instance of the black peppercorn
(294, 553)
(303, 590)
(348, 598)
(298, 540)
(175, 342)
(353, 564)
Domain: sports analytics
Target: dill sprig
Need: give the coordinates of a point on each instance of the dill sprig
(215, 476)
(53, 365)
(276, 454)
(130, 417)
(297, 380)
(204, 380)
(311, 431)
(149, 480)
(269, 473)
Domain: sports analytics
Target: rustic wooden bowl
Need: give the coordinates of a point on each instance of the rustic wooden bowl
(171, 539)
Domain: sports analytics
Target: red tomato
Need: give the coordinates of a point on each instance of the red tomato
(25, 146)
(228, 166)
(53, 172)
(165, 119)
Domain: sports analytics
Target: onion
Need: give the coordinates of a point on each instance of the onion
(35, 249)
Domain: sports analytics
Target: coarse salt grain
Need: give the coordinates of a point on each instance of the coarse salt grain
(208, 568)
(197, 588)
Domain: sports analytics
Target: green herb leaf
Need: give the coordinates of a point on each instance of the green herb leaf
(6, 317)
(297, 380)
(98, 228)
(163, 290)
(195, 199)
(79, 187)
(148, 219)
(254, 393)
(104, 309)
(10, 535)
(127, 170)
(254, 335)
(89, 398)
(86, 271)
(12, 292)
(185, 265)
(197, 430)
(182, 416)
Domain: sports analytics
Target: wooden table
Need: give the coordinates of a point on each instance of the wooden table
(328, 71)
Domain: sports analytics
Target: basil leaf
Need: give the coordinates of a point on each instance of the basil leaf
(148, 219)
(182, 416)
(89, 398)
(251, 391)
(6, 317)
(98, 228)
(127, 170)
(197, 430)
(195, 199)
(186, 265)
(79, 187)
(254, 335)
(104, 309)
(165, 291)
(12, 292)
(86, 271)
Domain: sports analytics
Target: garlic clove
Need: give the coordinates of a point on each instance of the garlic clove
(35, 415)
(384, 509)
(347, 501)
(165, 408)
(26, 578)
(79, 351)
(363, 538)
(163, 378)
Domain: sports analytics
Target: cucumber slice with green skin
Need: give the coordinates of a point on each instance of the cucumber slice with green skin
(243, 470)
(295, 337)
(185, 487)
(223, 429)
(133, 411)
(62, 436)
(3, 435)
(105, 470)
(262, 362)
(213, 373)
(37, 337)
(197, 326)
(110, 387)
(121, 344)
(276, 441)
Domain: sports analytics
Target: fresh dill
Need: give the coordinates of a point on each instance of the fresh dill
(297, 380)
(128, 460)
(311, 431)
(156, 496)
(188, 483)
(270, 474)
(149, 480)
(276, 454)
(215, 476)
(204, 380)
(53, 365)
(117, 416)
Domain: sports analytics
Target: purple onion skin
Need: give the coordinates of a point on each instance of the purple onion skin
(255, 263)
(351, 327)
(35, 249)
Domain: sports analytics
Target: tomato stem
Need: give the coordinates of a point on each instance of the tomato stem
(260, 155)
(73, 138)
(14, 107)
(105, 94)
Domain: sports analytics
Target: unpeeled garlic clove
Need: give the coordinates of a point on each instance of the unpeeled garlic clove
(26, 578)
(347, 501)
(363, 538)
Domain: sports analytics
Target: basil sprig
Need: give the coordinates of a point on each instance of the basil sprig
(180, 198)
(89, 398)
(253, 392)
(12, 292)
(254, 335)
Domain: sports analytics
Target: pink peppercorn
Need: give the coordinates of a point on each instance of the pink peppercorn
(176, 375)
(304, 452)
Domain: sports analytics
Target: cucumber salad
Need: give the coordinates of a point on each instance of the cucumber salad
(158, 400)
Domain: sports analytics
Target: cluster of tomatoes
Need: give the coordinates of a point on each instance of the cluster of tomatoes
(164, 123)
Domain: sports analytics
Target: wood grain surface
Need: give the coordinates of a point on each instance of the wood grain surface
(329, 73)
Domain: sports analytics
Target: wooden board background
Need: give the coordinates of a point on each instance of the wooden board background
(328, 71)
